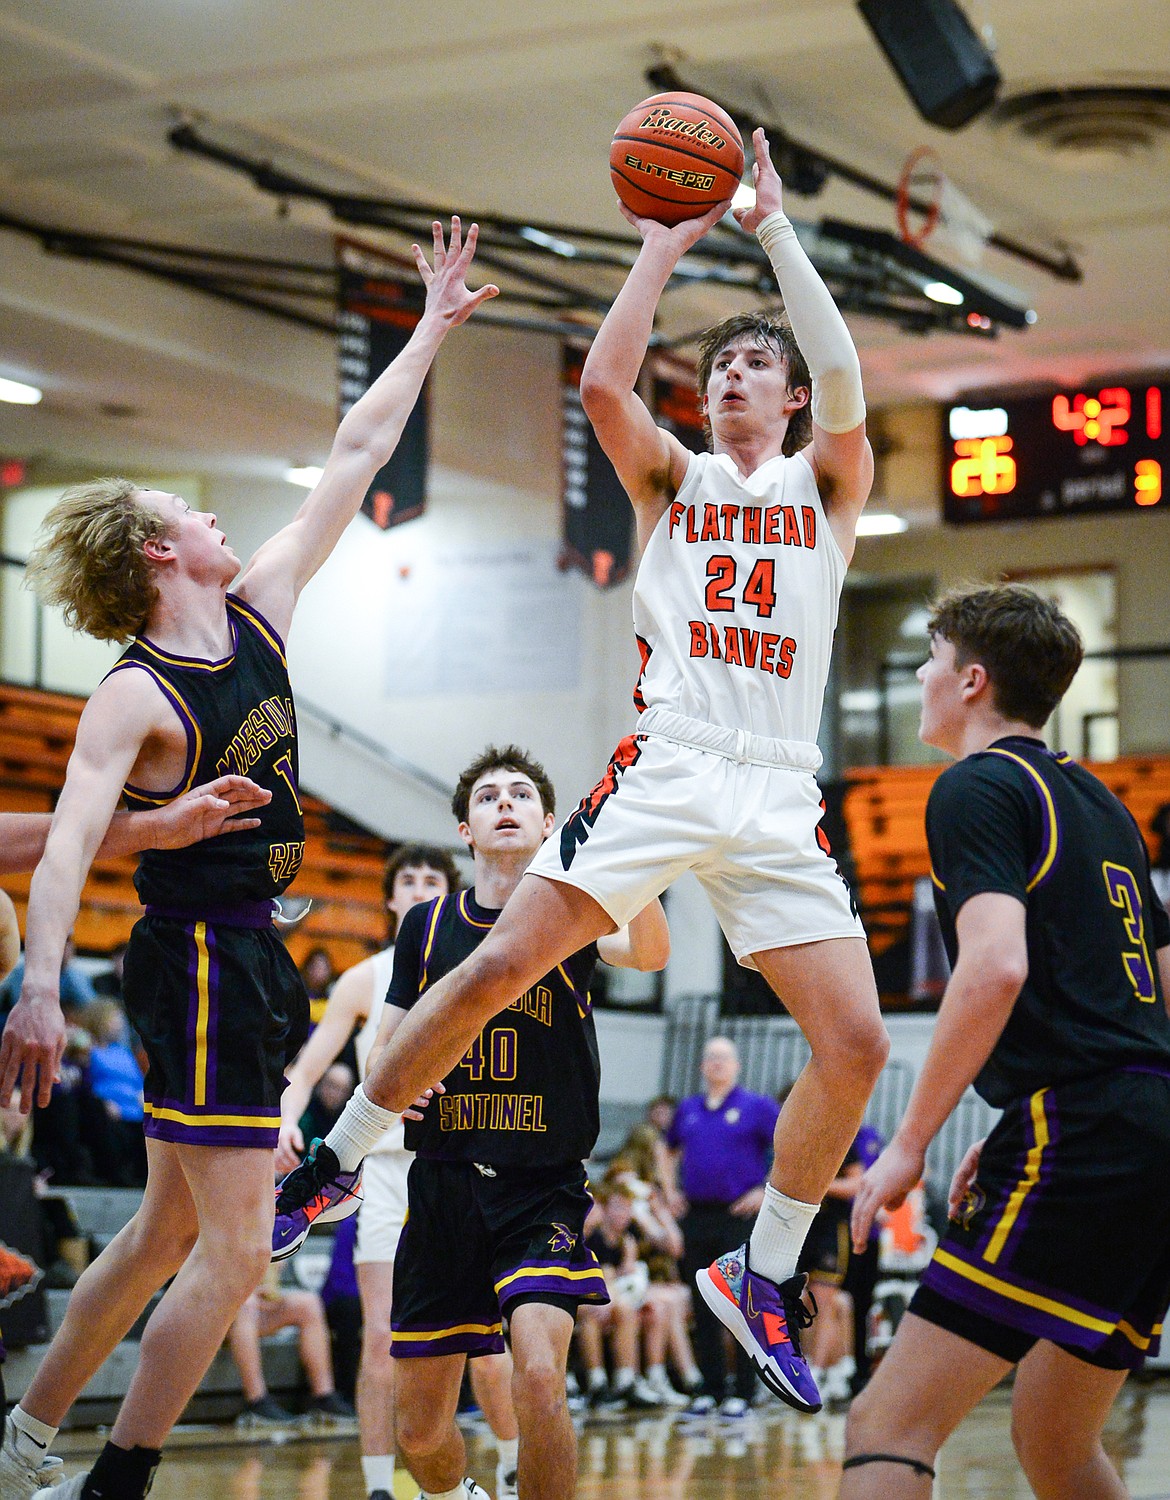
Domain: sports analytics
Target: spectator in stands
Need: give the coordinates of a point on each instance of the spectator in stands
(63, 1129)
(343, 1308)
(319, 976)
(667, 1312)
(76, 987)
(327, 1100)
(1160, 864)
(269, 1309)
(660, 1112)
(720, 1149)
(108, 983)
(609, 1234)
(115, 1081)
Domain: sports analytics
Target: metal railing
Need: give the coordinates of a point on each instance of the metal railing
(772, 1051)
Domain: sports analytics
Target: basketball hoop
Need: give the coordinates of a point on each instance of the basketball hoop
(920, 191)
(928, 201)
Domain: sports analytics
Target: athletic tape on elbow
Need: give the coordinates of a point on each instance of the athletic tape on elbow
(838, 401)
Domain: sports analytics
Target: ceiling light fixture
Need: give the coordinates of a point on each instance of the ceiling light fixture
(18, 393)
(307, 475)
(881, 523)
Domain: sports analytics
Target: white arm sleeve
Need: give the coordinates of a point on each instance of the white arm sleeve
(838, 402)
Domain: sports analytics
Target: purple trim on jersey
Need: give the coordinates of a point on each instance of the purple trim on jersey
(184, 716)
(196, 662)
(254, 914)
(249, 611)
(535, 1276)
(443, 1342)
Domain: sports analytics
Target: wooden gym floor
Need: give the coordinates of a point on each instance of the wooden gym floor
(772, 1454)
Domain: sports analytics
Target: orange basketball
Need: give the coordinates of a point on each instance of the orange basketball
(675, 156)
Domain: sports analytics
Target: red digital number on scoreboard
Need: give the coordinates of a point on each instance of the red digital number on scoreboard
(1094, 419)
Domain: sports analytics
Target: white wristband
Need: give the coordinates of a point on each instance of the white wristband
(838, 401)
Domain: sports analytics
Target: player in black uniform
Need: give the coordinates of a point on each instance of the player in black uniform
(497, 1195)
(1057, 1256)
(209, 987)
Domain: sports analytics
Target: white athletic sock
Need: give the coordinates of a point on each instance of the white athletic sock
(378, 1472)
(361, 1126)
(33, 1438)
(596, 1379)
(508, 1452)
(779, 1235)
(623, 1379)
(656, 1374)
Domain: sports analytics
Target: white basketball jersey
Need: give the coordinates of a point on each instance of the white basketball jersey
(736, 599)
(383, 969)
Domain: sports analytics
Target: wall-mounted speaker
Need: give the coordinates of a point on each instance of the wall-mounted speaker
(942, 62)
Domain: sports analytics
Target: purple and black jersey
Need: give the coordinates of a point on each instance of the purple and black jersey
(1024, 821)
(526, 1092)
(239, 719)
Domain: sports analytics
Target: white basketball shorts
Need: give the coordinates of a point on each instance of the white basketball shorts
(741, 811)
(383, 1210)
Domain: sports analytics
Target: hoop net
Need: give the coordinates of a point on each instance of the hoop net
(927, 201)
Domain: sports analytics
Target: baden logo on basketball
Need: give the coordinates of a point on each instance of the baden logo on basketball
(700, 130)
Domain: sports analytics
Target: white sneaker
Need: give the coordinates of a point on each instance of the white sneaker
(471, 1489)
(20, 1478)
(71, 1488)
(505, 1483)
(666, 1393)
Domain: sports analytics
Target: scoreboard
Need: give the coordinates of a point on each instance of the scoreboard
(1068, 452)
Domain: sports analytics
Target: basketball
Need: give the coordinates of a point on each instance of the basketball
(675, 156)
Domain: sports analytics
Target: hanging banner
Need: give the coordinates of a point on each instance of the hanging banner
(377, 312)
(676, 407)
(598, 520)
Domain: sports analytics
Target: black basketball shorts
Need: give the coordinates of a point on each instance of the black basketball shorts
(1065, 1234)
(478, 1240)
(220, 1011)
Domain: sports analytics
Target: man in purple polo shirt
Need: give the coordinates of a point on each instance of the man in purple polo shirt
(720, 1149)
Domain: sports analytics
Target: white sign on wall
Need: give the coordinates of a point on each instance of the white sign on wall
(483, 620)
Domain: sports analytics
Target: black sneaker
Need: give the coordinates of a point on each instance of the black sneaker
(330, 1410)
(264, 1413)
(316, 1192)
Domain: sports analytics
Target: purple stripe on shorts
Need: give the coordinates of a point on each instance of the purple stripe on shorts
(995, 1216)
(936, 1274)
(256, 914)
(1043, 1179)
(445, 1343)
(212, 1015)
(211, 1135)
(541, 1276)
(192, 1018)
(1153, 1069)
(257, 1111)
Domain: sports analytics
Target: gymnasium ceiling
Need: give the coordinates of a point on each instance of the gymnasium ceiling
(506, 107)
